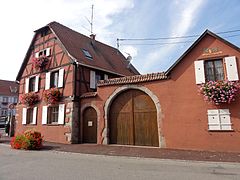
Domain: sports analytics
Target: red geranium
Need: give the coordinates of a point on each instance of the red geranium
(40, 63)
(29, 98)
(52, 95)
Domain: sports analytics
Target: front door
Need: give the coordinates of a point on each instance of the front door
(90, 125)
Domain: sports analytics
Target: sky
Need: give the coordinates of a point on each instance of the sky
(113, 19)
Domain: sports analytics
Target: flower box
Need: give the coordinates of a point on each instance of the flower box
(52, 95)
(29, 99)
(220, 91)
(40, 63)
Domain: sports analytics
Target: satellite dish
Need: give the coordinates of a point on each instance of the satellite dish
(129, 58)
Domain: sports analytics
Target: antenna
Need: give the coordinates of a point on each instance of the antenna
(92, 21)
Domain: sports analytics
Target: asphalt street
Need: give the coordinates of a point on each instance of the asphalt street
(51, 165)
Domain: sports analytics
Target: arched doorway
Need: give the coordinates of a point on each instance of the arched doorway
(133, 119)
(89, 125)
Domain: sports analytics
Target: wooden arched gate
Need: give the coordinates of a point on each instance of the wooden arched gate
(89, 125)
(133, 119)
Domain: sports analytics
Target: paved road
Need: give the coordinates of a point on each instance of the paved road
(51, 165)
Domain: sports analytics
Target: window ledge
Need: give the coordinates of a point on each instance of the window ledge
(221, 130)
(53, 124)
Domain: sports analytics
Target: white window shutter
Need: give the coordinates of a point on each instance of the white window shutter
(37, 55)
(60, 77)
(26, 85)
(105, 76)
(225, 119)
(24, 116)
(47, 80)
(48, 51)
(213, 120)
(199, 72)
(36, 83)
(61, 113)
(231, 67)
(34, 115)
(92, 80)
(44, 114)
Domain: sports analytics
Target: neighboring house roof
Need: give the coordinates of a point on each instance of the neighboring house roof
(8, 88)
(133, 79)
(104, 57)
(207, 32)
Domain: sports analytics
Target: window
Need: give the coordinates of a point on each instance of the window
(4, 112)
(32, 84)
(29, 117)
(86, 54)
(52, 114)
(99, 76)
(214, 70)
(219, 119)
(44, 52)
(15, 99)
(54, 79)
(95, 77)
(5, 99)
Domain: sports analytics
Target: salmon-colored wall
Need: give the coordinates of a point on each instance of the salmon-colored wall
(184, 121)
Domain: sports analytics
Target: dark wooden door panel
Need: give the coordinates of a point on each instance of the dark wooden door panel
(90, 125)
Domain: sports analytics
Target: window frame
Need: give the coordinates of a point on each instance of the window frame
(52, 118)
(214, 69)
(29, 116)
(53, 79)
(5, 99)
(31, 85)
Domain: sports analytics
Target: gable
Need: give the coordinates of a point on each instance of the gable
(43, 44)
(206, 36)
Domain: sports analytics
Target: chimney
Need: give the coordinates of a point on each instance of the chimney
(93, 36)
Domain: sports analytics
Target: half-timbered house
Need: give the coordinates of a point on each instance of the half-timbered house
(61, 66)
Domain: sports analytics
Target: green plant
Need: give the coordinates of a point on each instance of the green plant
(29, 140)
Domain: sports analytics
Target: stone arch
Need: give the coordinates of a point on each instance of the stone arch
(107, 105)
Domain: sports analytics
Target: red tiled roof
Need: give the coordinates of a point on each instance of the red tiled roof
(8, 88)
(88, 94)
(133, 79)
(104, 57)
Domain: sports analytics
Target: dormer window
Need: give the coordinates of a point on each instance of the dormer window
(86, 54)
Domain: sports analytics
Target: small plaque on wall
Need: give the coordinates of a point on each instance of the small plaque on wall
(90, 123)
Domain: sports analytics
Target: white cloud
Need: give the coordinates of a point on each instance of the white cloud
(185, 13)
(21, 18)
